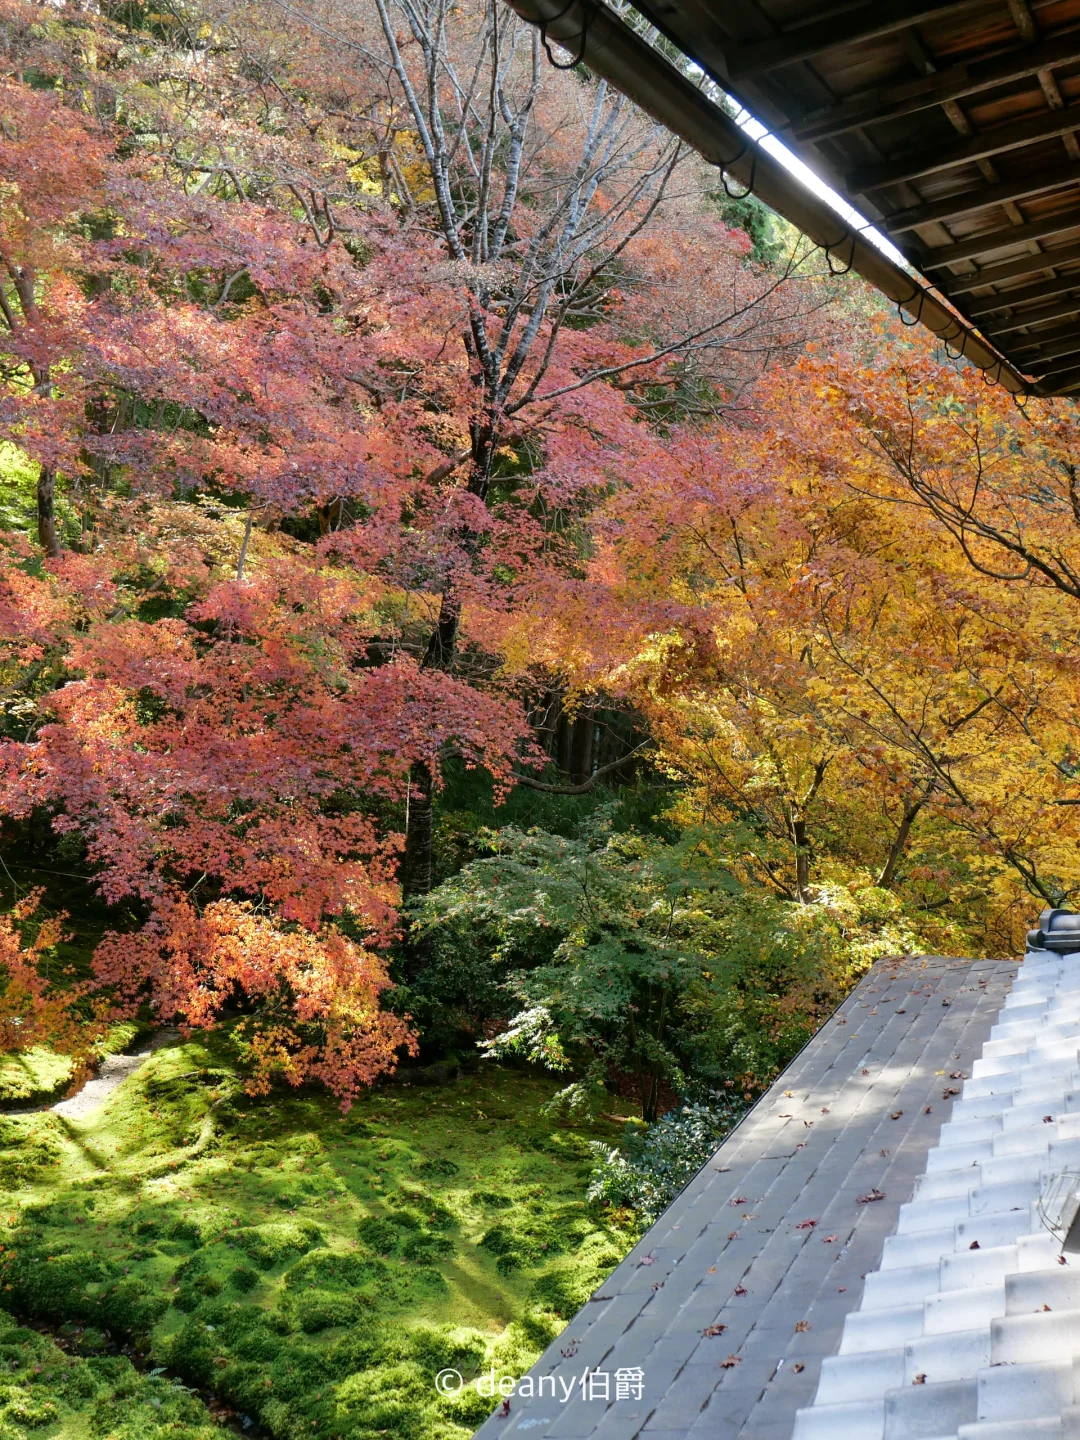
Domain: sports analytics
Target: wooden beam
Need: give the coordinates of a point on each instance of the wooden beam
(956, 207)
(1049, 361)
(991, 240)
(863, 23)
(892, 102)
(1064, 382)
(1047, 344)
(995, 141)
(1071, 306)
(1041, 290)
(1010, 270)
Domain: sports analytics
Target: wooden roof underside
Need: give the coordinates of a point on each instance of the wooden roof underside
(954, 126)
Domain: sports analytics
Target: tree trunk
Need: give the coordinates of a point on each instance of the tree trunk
(329, 516)
(46, 513)
(581, 758)
(440, 654)
(650, 1098)
(899, 845)
(802, 859)
(417, 867)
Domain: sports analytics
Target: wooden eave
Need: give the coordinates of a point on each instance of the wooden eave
(953, 127)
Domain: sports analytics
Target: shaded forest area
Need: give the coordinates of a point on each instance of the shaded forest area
(495, 639)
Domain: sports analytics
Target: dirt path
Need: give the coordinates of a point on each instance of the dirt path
(112, 1071)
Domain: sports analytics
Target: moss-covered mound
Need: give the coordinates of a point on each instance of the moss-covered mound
(49, 1390)
(310, 1272)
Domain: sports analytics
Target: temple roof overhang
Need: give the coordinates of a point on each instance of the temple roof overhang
(951, 128)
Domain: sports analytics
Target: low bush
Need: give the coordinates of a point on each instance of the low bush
(650, 1170)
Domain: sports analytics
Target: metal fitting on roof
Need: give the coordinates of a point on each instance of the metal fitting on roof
(1059, 930)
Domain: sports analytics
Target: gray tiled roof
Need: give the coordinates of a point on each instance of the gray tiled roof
(856, 1113)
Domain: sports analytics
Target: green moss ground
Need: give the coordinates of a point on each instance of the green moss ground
(307, 1270)
(34, 1075)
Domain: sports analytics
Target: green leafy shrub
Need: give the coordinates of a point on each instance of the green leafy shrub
(651, 1170)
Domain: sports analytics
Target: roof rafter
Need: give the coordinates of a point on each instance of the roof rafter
(987, 197)
(1035, 317)
(1045, 338)
(952, 84)
(987, 243)
(863, 23)
(1008, 299)
(1045, 125)
(1010, 270)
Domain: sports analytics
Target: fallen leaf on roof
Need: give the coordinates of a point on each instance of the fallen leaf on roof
(1044, 1308)
(732, 1235)
(841, 1289)
(737, 1200)
(659, 1285)
(926, 1110)
(798, 1367)
(806, 1225)
(1062, 1260)
(784, 1115)
(866, 1072)
(901, 1012)
(829, 1239)
(789, 1094)
(896, 1115)
(841, 1022)
(883, 1152)
(949, 1090)
(802, 1325)
(721, 1169)
(801, 1145)
(729, 1362)
(872, 1194)
(974, 1245)
(824, 1109)
(1048, 1119)
(956, 1075)
(946, 1002)
(713, 1330)
(919, 1380)
(711, 1270)
(649, 1259)
(739, 1290)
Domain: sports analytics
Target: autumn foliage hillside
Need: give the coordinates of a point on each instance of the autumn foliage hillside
(372, 428)
(483, 610)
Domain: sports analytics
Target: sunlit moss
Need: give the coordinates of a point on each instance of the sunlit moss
(310, 1270)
